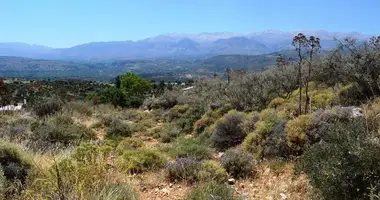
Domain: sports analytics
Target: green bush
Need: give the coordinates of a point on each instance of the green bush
(49, 107)
(114, 96)
(268, 139)
(212, 190)
(183, 169)
(59, 131)
(116, 192)
(323, 98)
(168, 133)
(193, 148)
(351, 95)
(228, 131)
(176, 112)
(209, 118)
(187, 120)
(14, 162)
(344, 165)
(322, 119)
(118, 129)
(212, 171)
(140, 160)
(296, 133)
(238, 164)
(129, 144)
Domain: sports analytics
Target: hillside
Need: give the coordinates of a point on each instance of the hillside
(164, 68)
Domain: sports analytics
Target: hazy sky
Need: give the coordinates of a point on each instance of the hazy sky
(64, 23)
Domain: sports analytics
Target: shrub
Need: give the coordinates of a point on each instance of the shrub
(322, 119)
(81, 174)
(187, 120)
(276, 143)
(323, 98)
(209, 118)
(344, 165)
(3, 184)
(263, 140)
(351, 95)
(59, 131)
(290, 107)
(47, 108)
(118, 129)
(212, 190)
(254, 143)
(140, 160)
(372, 114)
(81, 108)
(134, 101)
(167, 100)
(228, 131)
(212, 171)
(296, 133)
(277, 102)
(193, 148)
(237, 163)
(116, 192)
(14, 162)
(183, 169)
(177, 111)
(114, 96)
(129, 144)
(168, 133)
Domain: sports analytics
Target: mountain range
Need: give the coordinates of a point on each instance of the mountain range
(175, 45)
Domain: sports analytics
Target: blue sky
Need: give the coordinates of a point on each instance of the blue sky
(64, 23)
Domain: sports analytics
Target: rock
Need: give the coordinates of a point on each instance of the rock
(352, 111)
(251, 185)
(220, 154)
(165, 191)
(283, 196)
(170, 185)
(231, 181)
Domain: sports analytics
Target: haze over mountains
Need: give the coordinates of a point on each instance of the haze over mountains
(175, 45)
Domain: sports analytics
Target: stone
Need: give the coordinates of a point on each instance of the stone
(283, 196)
(165, 191)
(231, 181)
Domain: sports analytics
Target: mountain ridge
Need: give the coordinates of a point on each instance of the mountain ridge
(175, 45)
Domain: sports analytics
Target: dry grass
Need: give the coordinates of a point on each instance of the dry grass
(271, 185)
(154, 186)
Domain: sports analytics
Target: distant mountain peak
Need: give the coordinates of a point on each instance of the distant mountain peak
(178, 44)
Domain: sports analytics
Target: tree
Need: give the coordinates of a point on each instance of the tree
(282, 77)
(117, 82)
(4, 96)
(134, 85)
(313, 47)
(114, 96)
(300, 42)
(362, 65)
(129, 91)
